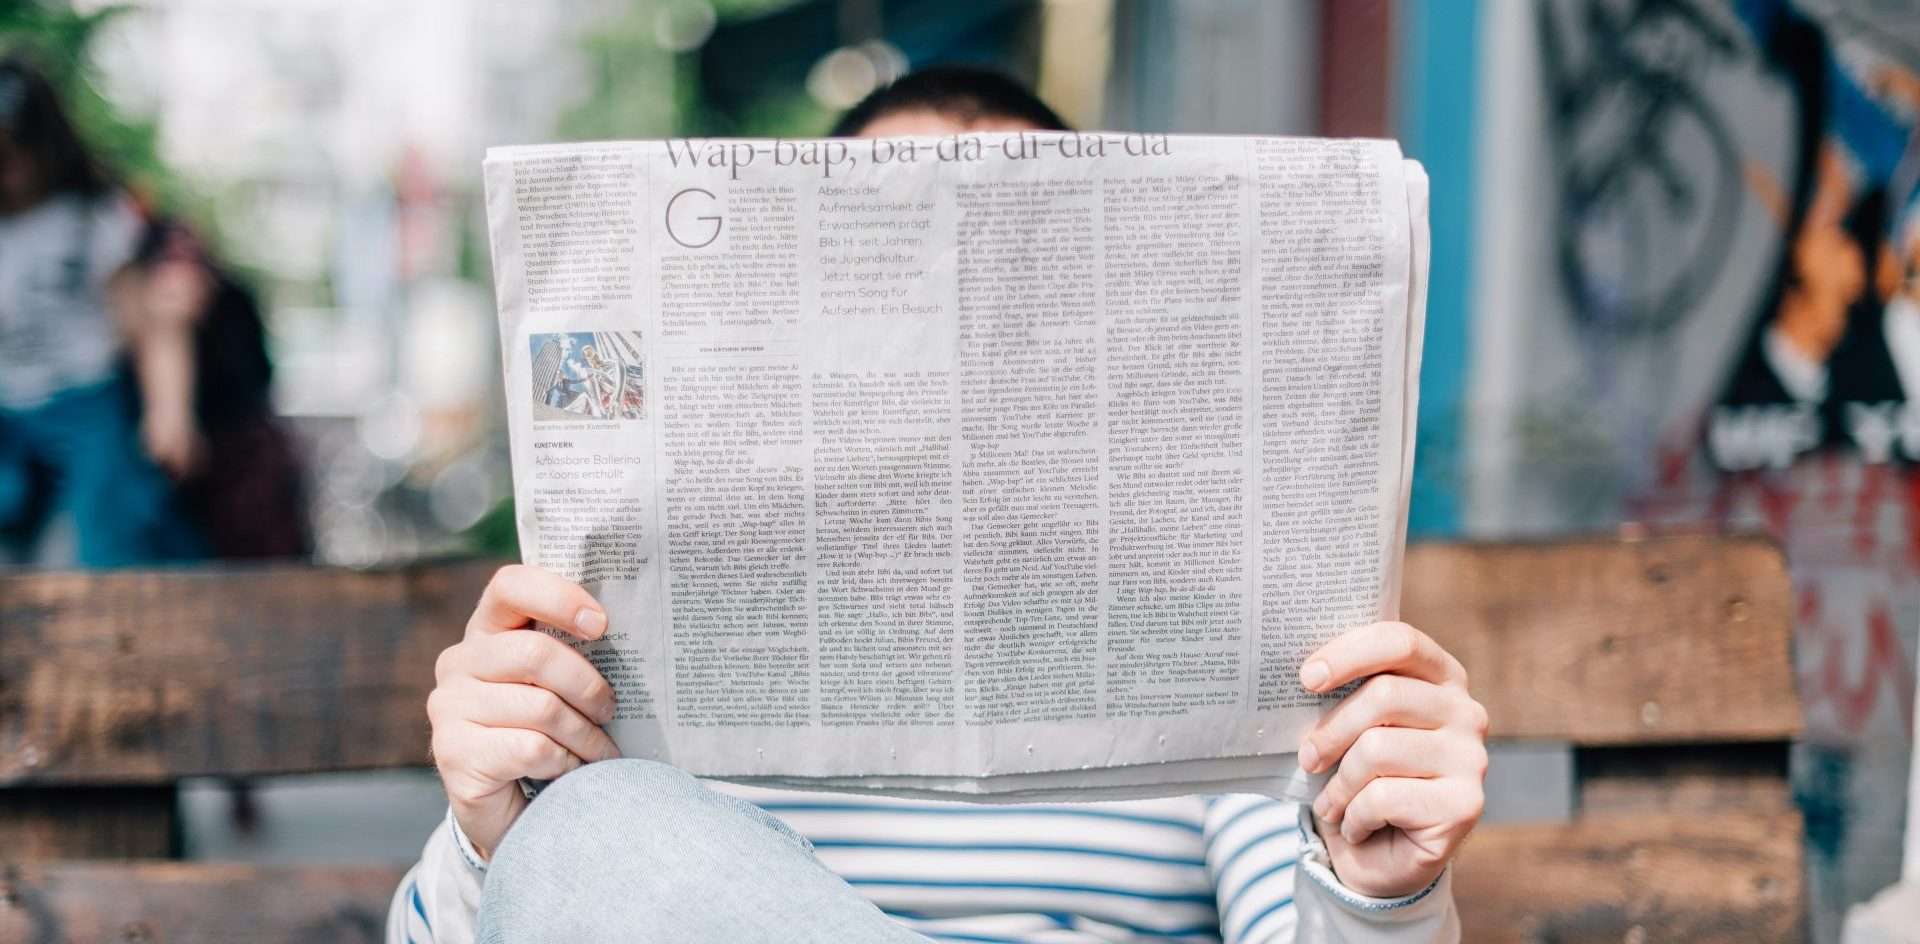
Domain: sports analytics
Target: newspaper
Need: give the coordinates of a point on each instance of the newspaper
(1008, 466)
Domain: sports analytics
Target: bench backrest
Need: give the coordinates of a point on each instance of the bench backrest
(1664, 663)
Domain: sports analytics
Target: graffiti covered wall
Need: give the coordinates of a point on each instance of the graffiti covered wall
(1702, 287)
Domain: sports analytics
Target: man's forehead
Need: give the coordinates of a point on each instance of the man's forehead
(926, 121)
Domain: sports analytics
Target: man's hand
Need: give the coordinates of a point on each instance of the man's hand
(509, 702)
(1411, 748)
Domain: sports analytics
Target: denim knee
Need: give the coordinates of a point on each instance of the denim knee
(619, 804)
(622, 780)
(635, 850)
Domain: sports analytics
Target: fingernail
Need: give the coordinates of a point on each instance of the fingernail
(613, 752)
(590, 621)
(1320, 806)
(1309, 757)
(1314, 674)
(606, 714)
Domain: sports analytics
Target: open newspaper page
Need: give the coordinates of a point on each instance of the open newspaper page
(1001, 466)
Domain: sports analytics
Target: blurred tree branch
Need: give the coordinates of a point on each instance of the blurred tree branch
(60, 41)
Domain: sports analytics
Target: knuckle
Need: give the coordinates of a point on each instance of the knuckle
(514, 583)
(599, 694)
(1477, 718)
(530, 650)
(1404, 749)
(1361, 803)
(1336, 789)
(1477, 763)
(1462, 809)
(1364, 751)
(451, 757)
(446, 664)
(1402, 794)
(1393, 692)
(522, 703)
(1405, 641)
(439, 747)
(526, 750)
(1367, 793)
(1376, 694)
(546, 708)
(500, 585)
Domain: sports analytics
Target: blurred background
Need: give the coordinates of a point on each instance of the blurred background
(1674, 280)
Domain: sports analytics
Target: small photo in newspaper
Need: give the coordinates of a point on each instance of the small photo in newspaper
(588, 375)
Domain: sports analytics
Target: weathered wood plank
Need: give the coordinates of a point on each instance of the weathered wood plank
(162, 902)
(1728, 878)
(1733, 878)
(130, 822)
(145, 677)
(1664, 640)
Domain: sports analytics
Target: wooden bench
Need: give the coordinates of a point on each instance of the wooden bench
(1664, 663)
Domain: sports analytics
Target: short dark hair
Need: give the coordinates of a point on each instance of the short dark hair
(967, 93)
(30, 112)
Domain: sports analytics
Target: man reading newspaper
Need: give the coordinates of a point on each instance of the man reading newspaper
(632, 849)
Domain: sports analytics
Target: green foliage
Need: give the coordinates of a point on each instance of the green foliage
(496, 534)
(789, 114)
(60, 42)
(631, 82)
(637, 89)
(748, 9)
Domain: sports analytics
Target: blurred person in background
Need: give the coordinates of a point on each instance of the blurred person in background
(241, 474)
(72, 312)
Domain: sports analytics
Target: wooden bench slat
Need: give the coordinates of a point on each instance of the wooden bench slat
(1731, 878)
(149, 676)
(186, 901)
(113, 682)
(1665, 640)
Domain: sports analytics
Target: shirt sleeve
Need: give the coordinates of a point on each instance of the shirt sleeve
(439, 898)
(1335, 914)
(117, 229)
(1274, 884)
(1253, 848)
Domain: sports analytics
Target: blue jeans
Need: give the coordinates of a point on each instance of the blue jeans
(632, 850)
(79, 455)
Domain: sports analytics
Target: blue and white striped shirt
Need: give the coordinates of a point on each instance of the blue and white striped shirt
(1185, 870)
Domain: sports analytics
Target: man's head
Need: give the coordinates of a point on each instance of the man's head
(40, 154)
(945, 100)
